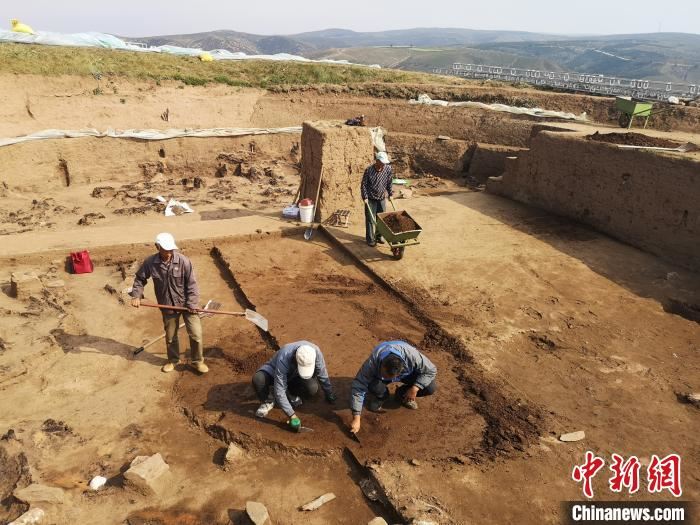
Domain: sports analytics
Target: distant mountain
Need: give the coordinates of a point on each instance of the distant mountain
(341, 38)
(654, 56)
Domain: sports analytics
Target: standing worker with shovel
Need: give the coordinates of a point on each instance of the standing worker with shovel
(175, 285)
(375, 188)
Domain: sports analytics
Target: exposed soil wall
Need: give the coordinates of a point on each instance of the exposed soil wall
(341, 153)
(646, 199)
(417, 154)
(466, 124)
(487, 160)
(51, 164)
(598, 108)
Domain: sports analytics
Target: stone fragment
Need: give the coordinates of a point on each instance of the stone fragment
(40, 493)
(318, 502)
(692, 398)
(146, 473)
(25, 284)
(573, 436)
(57, 283)
(234, 454)
(257, 513)
(378, 521)
(98, 482)
(415, 462)
(443, 137)
(31, 517)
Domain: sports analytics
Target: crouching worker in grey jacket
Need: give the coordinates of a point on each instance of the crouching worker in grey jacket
(391, 362)
(293, 373)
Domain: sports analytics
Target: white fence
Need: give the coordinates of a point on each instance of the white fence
(599, 84)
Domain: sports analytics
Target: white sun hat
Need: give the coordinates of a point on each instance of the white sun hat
(306, 361)
(166, 241)
(382, 157)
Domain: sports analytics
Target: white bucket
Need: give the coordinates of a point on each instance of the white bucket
(306, 213)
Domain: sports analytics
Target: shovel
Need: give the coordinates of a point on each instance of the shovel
(251, 315)
(209, 307)
(310, 230)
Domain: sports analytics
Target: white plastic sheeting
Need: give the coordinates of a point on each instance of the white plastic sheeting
(535, 112)
(146, 134)
(112, 42)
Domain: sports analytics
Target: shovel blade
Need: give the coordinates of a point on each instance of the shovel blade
(257, 319)
(308, 234)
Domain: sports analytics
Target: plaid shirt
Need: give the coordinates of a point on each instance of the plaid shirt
(376, 185)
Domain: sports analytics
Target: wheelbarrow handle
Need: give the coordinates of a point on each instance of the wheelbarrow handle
(371, 215)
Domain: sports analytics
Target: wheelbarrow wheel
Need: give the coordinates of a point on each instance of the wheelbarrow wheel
(624, 120)
(398, 252)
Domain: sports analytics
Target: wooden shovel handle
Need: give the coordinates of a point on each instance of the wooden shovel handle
(183, 309)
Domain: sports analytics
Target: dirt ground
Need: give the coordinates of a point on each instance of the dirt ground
(538, 327)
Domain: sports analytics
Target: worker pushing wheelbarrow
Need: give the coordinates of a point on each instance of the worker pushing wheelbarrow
(397, 227)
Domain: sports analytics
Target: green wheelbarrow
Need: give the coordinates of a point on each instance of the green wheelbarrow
(397, 241)
(630, 108)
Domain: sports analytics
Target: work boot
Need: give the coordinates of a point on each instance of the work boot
(200, 367)
(295, 401)
(375, 404)
(264, 409)
(169, 366)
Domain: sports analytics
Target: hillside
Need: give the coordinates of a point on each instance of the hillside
(655, 56)
(95, 62)
(304, 43)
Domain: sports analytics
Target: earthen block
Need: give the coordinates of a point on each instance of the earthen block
(25, 284)
(31, 517)
(147, 473)
(234, 454)
(257, 513)
(40, 493)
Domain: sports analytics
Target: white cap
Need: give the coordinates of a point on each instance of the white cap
(166, 241)
(382, 157)
(306, 361)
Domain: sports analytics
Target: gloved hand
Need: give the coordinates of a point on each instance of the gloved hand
(331, 398)
(294, 423)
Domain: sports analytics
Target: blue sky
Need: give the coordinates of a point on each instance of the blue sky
(154, 17)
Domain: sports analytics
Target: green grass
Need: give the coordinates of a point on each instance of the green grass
(54, 61)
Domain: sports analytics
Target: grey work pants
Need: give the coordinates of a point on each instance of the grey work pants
(193, 325)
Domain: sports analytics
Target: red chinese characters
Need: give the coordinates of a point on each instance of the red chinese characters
(625, 474)
(665, 474)
(587, 472)
(662, 474)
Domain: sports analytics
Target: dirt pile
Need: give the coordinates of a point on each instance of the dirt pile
(399, 222)
(632, 139)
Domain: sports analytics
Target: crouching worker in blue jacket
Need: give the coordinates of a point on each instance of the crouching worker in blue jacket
(293, 373)
(391, 362)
